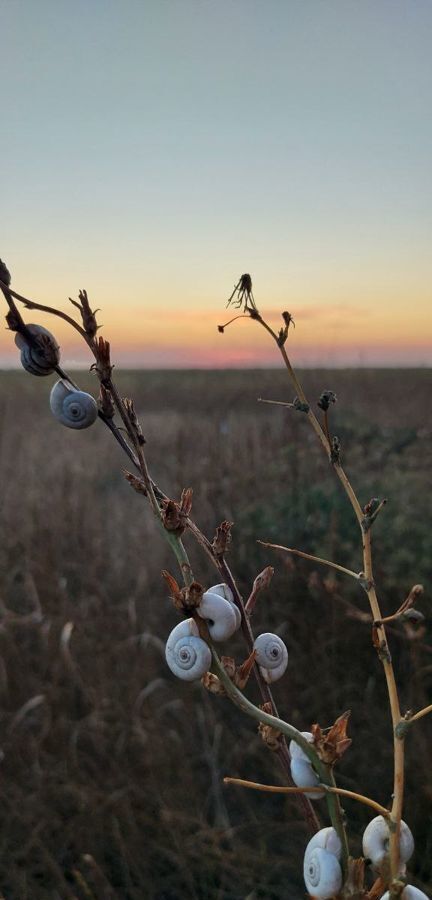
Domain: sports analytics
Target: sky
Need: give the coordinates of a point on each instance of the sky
(151, 151)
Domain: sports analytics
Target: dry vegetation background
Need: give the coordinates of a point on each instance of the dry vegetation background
(111, 768)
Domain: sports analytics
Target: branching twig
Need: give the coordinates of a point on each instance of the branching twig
(277, 789)
(317, 559)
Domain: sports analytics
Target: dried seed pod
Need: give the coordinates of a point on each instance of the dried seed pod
(43, 356)
(72, 408)
(271, 656)
(321, 868)
(376, 839)
(187, 655)
(219, 615)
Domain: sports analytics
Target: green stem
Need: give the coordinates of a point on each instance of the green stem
(180, 554)
(323, 771)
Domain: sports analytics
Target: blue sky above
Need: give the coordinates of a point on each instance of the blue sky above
(152, 151)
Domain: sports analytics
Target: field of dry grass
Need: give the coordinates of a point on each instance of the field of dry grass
(112, 769)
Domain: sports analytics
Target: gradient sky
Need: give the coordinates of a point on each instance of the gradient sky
(153, 150)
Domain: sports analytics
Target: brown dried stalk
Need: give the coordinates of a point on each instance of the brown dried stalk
(365, 518)
(158, 500)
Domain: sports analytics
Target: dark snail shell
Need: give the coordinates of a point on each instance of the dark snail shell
(42, 357)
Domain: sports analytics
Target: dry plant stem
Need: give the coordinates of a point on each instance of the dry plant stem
(276, 789)
(266, 694)
(420, 714)
(154, 495)
(325, 773)
(398, 742)
(31, 304)
(317, 559)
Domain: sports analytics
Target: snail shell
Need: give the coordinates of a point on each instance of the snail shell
(376, 842)
(321, 871)
(303, 775)
(327, 839)
(72, 408)
(219, 615)
(408, 893)
(296, 751)
(271, 656)
(187, 655)
(42, 358)
(224, 591)
(302, 772)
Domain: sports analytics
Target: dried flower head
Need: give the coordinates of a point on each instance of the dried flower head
(331, 743)
(242, 295)
(325, 399)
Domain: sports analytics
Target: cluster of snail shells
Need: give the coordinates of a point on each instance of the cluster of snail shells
(189, 657)
(376, 839)
(43, 356)
(322, 870)
(302, 772)
(74, 409)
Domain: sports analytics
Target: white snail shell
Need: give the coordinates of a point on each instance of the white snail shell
(271, 656)
(72, 408)
(296, 751)
(303, 775)
(224, 591)
(321, 868)
(42, 359)
(219, 615)
(187, 655)
(327, 839)
(408, 893)
(376, 842)
(302, 772)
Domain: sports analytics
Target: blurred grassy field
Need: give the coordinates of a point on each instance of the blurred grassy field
(111, 768)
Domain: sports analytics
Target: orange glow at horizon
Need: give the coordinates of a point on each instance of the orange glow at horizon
(167, 337)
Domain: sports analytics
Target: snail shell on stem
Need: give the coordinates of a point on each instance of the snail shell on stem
(43, 356)
(321, 868)
(376, 839)
(271, 655)
(219, 615)
(302, 771)
(303, 775)
(224, 591)
(187, 655)
(72, 408)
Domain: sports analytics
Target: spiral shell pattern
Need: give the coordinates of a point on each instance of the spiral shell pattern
(187, 655)
(72, 408)
(322, 873)
(271, 656)
(42, 357)
(376, 842)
